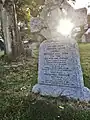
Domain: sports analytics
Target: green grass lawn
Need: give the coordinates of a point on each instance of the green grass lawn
(18, 103)
(85, 62)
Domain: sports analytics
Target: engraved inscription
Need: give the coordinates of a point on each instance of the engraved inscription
(57, 64)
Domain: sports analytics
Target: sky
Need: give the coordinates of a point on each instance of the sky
(81, 4)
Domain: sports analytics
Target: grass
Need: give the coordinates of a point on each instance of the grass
(18, 103)
(85, 62)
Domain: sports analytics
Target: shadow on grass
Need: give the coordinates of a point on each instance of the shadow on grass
(29, 108)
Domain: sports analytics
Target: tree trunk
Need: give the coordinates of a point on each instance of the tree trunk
(17, 43)
(5, 28)
(13, 43)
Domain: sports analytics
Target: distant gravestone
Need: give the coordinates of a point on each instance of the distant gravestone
(36, 24)
(83, 39)
(59, 72)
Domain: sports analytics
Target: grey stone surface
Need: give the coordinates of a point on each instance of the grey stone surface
(60, 71)
(83, 38)
(36, 24)
(52, 20)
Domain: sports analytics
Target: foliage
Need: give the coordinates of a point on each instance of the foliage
(26, 7)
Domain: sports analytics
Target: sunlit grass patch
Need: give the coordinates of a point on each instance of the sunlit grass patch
(85, 62)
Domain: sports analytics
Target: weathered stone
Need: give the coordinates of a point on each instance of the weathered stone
(83, 40)
(36, 24)
(60, 72)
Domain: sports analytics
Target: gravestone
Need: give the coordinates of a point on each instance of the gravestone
(36, 24)
(59, 72)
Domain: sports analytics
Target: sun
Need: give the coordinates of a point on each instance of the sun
(65, 26)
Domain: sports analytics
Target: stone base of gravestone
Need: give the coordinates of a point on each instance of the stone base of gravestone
(59, 72)
(83, 94)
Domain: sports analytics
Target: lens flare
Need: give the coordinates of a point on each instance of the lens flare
(65, 26)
